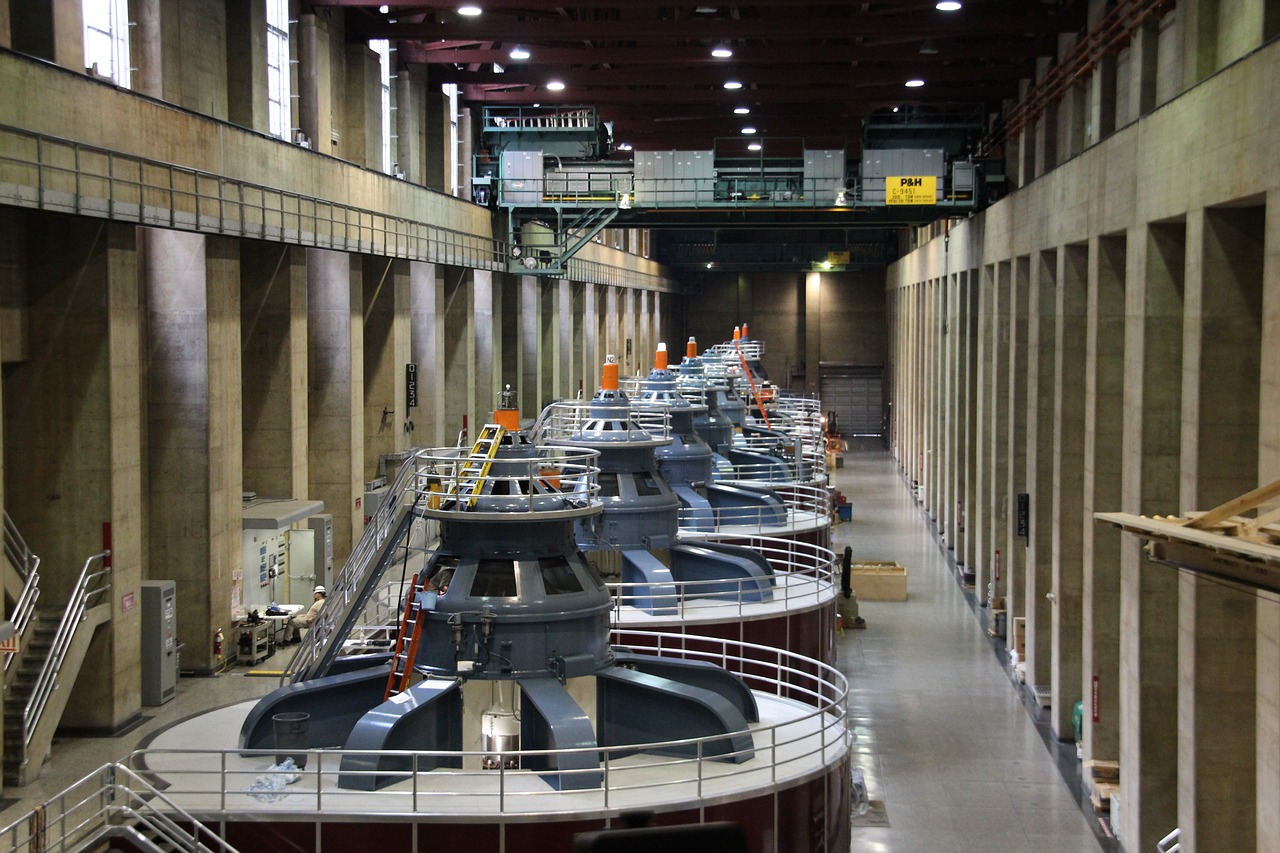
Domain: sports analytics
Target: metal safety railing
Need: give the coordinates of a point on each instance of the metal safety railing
(805, 506)
(89, 585)
(803, 575)
(806, 730)
(60, 175)
(111, 802)
(20, 555)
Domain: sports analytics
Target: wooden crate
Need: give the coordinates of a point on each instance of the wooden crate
(878, 580)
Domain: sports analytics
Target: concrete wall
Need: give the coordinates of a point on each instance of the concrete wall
(1160, 246)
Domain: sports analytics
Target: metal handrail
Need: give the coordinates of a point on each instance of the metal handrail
(817, 734)
(803, 573)
(100, 805)
(72, 615)
(803, 503)
(20, 555)
(24, 610)
(48, 172)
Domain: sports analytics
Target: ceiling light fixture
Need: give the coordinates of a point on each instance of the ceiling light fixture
(915, 84)
(732, 84)
(469, 11)
(755, 146)
(384, 9)
(741, 111)
(947, 6)
(721, 52)
(748, 130)
(519, 52)
(555, 86)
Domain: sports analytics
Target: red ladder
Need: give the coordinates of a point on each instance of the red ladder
(406, 642)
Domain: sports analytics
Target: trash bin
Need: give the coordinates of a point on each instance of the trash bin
(291, 733)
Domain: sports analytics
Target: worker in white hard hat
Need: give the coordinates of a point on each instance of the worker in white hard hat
(293, 632)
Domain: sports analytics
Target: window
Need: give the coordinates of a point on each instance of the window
(279, 106)
(382, 47)
(106, 39)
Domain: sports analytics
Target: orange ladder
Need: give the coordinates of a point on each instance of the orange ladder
(406, 642)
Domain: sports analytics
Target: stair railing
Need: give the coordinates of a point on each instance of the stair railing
(110, 802)
(342, 598)
(89, 585)
(24, 609)
(16, 549)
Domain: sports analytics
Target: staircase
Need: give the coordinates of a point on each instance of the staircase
(40, 679)
(37, 642)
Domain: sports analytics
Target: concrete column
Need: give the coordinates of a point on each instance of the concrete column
(530, 343)
(1216, 707)
(409, 84)
(273, 334)
(1040, 394)
(1217, 696)
(247, 64)
(1103, 421)
(194, 432)
(628, 340)
(73, 416)
(146, 48)
(1068, 485)
(1144, 68)
(950, 414)
(1102, 100)
(584, 312)
(335, 375)
(937, 391)
(1223, 340)
(436, 156)
(458, 344)
(385, 307)
(1268, 721)
(567, 333)
(486, 313)
(1268, 616)
(978, 512)
(646, 340)
(361, 141)
(1149, 485)
(427, 349)
(315, 91)
(1199, 24)
(972, 371)
(1014, 555)
(998, 413)
(6, 29)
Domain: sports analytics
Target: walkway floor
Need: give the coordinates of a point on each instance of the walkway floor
(954, 760)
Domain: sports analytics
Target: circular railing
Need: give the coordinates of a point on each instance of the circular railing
(803, 731)
(803, 575)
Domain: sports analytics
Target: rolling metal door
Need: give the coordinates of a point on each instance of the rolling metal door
(855, 394)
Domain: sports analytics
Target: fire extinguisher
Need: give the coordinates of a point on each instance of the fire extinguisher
(217, 644)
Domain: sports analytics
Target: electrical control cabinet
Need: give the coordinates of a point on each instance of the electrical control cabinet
(159, 642)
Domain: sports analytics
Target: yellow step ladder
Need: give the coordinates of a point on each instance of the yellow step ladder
(475, 468)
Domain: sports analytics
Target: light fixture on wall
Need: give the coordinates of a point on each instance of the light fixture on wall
(469, 11)
(555, 86)
(519, 52)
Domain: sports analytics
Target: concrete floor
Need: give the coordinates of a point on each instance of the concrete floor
(953, 758)
(942, 735)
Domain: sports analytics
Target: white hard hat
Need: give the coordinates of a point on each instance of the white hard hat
(318, 589)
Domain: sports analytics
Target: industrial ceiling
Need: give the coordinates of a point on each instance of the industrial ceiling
(807, 68)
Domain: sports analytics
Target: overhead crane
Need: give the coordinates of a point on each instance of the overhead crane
(554, 172)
